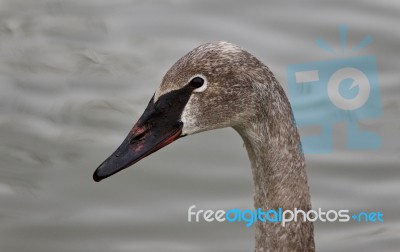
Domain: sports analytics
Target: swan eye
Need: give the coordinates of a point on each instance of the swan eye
(196, 82)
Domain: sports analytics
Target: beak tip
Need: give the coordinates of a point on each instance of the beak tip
(96, 177)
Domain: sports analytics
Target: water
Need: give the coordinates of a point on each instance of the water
(76, 75)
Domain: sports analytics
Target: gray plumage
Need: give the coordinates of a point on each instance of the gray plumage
(244, 94)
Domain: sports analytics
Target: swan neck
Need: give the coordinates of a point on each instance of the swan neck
(280, 181)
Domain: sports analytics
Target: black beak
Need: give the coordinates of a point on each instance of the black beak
(159, 126)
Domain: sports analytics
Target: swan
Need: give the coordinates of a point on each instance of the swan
(219, 85)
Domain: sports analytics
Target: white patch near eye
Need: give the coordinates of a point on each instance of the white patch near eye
(188, 119)
(203, 87)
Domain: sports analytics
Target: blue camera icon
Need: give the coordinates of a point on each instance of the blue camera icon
(328, 92)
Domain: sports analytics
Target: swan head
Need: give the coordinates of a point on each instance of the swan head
(213, 86)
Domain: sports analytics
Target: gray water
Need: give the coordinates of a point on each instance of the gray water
(75, 76)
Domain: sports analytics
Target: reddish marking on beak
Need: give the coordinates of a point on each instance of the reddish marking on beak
(134, 148)
(138, 130)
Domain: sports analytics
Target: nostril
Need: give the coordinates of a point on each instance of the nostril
(138, 137)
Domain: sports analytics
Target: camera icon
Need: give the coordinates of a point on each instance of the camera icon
(339, 90)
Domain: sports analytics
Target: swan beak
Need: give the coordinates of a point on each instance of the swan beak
(154, 130)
